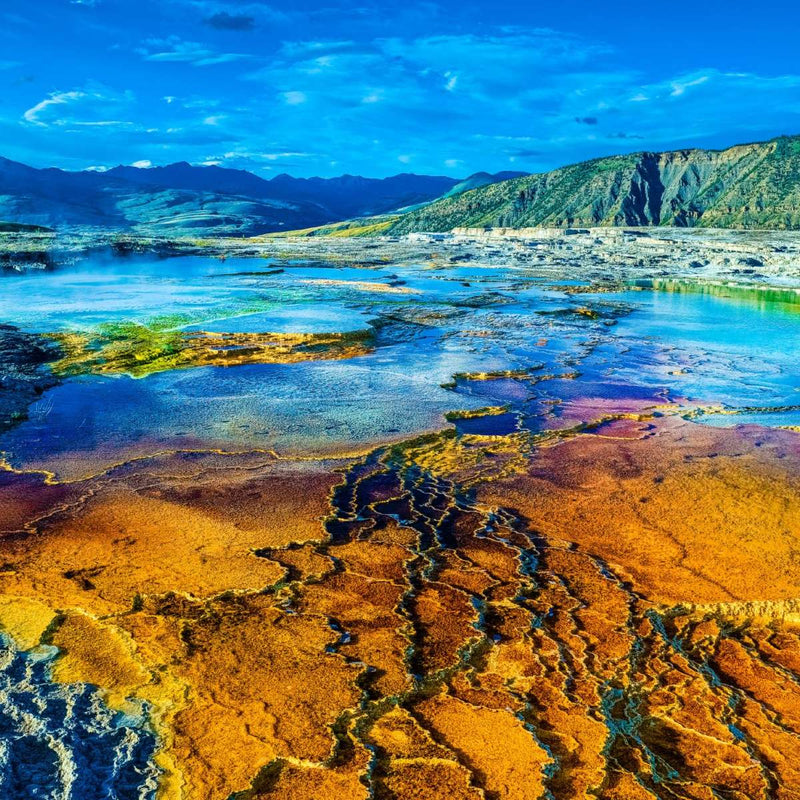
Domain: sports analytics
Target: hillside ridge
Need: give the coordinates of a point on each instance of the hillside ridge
(184, 198)
(753, 185)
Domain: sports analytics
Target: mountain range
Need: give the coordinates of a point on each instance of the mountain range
(182, 198)
(746, 186)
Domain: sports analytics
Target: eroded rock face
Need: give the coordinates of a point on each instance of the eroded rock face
(23, 374)
(742, 187)
(589, 622)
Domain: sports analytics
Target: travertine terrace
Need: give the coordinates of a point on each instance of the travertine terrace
(574, 576)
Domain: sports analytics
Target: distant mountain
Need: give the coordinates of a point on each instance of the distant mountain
(184, 176)
(747, 186)
(120, 199)
(339, 198)
(482, 179)
(183, 198)
(352, 196)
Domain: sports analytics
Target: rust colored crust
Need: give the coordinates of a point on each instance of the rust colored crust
(614, 617)
(687, 513)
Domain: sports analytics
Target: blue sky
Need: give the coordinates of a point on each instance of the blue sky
(322, 88)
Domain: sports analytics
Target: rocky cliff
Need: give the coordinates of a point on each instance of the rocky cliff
(747, 186)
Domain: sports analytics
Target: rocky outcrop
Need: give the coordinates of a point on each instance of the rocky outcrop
(747, 186)
(23, 372)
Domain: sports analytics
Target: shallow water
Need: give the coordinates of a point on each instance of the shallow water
(734, 347)
(709, 347)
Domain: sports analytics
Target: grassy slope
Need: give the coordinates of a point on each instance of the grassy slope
(368, 226)
(745, 186)
(19, 227)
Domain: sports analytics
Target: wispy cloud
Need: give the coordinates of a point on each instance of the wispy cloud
(422, 72)
(537, 98)
(294, 98)
(299, 50)
(679, 87)
(176, 50)
(36, 113)
(91, 106)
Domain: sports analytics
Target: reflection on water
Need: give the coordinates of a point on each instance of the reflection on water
(767, 298)
(730, 345)
(510, 339)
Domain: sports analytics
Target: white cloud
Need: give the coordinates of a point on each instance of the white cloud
(176, 50)
(35, 114)
(244, 156)
(143, 164)
(294, 98)
(522, 90)
(301, 50)
(680, 87)
(92, 106)
(288, 154)
(100, 123)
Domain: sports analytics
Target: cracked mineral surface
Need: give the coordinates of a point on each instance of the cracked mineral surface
(482, 516)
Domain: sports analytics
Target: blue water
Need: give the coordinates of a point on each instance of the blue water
(705, 349)
(722, 350)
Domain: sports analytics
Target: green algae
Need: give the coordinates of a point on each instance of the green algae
(140, 350)
(119, 347)
(473, 413)
(762, 296)
(368, 226)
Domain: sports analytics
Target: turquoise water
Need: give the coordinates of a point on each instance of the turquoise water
(706, 349)
(734, 351)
